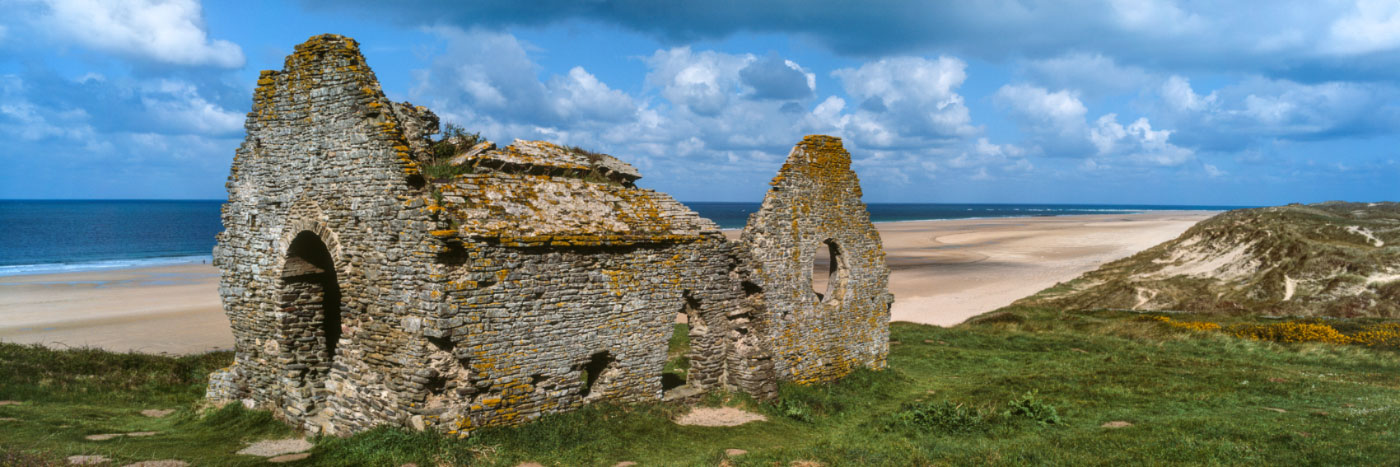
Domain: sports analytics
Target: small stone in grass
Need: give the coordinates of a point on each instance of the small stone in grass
(1117, 424)
(928, 341)
(276, 447)
(289, 457)
(1075, 349)
(9, 402)
(157, 413)
(735, 452)
(88, 460)
(8, 419)
(142, 433)
(625, 464)
(718, 416)
(102, 437)
(1275, 409)
(159, 463)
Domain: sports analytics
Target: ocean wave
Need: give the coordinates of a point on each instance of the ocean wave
(52, 268)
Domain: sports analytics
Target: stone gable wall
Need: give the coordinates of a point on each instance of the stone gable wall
(324, 155)
(815, 198)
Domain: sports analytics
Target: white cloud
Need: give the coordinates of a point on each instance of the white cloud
(1213, 171)
(1137, 142)
(702, 82)
(1056, 121)
(1058, 114)
(580, 95)
(168, 31)
(488, 79)
(178, 105)
(907, 101)
(1154, 17)
(1257, 109)
(1177, 94)
(1373, 26)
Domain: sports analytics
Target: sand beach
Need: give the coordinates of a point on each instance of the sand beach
(942, 272)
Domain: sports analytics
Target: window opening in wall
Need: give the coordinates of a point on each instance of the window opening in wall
(593, 370)
(829, 272)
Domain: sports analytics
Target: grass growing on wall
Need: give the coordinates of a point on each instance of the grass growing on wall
(1019, 386)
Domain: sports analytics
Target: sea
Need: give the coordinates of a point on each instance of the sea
(38, 237)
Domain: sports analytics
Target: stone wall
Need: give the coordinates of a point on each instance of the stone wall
(539, 280)
(323, 156)
(814, 203)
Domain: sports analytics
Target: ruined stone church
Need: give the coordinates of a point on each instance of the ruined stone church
(361, 292)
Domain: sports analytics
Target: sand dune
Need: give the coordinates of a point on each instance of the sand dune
(943, 272)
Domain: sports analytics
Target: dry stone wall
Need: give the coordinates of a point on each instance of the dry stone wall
(539, 280)
(814, 203)
(323, 155)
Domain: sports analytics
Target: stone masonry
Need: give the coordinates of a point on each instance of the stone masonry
(363, 293)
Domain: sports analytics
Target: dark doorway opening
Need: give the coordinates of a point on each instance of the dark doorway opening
(687, 330)
(311, 322)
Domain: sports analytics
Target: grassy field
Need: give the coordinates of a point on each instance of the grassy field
(1020, 386)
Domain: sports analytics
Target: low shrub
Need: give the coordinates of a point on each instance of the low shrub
(936, 417)
(1030, 408)
(1384, 334)
(1202, 326)
(1292, 331)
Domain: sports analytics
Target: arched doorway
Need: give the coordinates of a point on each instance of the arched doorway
(310, 322)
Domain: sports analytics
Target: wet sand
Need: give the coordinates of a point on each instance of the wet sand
(942, 272)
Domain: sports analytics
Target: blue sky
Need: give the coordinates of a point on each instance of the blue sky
(1130, 101)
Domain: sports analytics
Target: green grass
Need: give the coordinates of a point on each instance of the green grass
(677, 364)
(1020, 386)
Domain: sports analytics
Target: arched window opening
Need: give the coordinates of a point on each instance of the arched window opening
(829, 273)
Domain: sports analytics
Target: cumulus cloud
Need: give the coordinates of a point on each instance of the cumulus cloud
(1056, 122)
(1259, 109)
(701, 82)
(1289, 36)
(772, 77)
(705, 114)
(1054, 119)
(1137, 142)
(1374, 25)
(488, 78)
(164, 31)
(907, 100)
